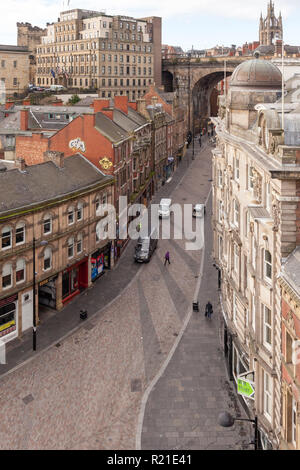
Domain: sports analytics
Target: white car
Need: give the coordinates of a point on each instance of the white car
(164, 208)
(199, 210)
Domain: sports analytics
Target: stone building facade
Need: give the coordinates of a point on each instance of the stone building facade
(14, 70)
(59, 204)
(113, 54)
(255, 206)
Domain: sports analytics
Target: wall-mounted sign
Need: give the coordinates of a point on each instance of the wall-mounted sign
(105, 163)
(77, 144)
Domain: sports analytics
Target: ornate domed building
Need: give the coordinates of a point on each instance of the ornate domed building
(253, 82)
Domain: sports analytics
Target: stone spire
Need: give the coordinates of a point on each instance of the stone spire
(270, 28)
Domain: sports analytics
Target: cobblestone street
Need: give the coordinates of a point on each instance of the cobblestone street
(85, 391)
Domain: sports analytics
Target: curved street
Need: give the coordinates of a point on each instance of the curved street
(85, 391)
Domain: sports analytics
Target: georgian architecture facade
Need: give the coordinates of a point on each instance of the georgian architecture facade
(256, 205)
(56, 207)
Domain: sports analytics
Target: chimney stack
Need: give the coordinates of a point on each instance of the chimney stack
(56, 157)
(121, 103)
(141, 106)
(20, 164)
(24, 119)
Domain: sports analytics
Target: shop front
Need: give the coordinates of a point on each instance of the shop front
(101, 261)
(74, 280)
(48, 292)
(9, 318)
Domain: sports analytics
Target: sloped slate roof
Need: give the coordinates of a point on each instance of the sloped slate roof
(46, 181)
(290, 271)
(109, 128)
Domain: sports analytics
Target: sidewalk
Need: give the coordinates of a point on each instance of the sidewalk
(183, 407)
(95, 300)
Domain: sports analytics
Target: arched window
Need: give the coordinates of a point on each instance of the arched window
(79, 211)
(47, 224)
(71, 215)
(7, 278)
(79, 243)
(20, 233)
(47, 259)
(70, 247)
(20, 271)
(6, 238)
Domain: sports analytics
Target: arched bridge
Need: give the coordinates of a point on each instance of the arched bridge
(194, 79)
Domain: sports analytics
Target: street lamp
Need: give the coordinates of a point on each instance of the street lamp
(43, 243)
(226, 420)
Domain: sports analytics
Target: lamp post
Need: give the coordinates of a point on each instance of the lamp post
(227, 421)
(43, 243)
(189, 93)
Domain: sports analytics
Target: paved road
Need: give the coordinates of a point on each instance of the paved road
(85, 392)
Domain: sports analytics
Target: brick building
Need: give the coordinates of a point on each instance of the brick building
(114, 54)
(57, 203)
(290, 284)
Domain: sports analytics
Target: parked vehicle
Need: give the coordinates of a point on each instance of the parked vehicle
(199, 210)
(164, 208)
(145, 247)
(57, 88)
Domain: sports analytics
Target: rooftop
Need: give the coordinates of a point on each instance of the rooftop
(46, 181)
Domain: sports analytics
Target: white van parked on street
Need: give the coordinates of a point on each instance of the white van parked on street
(164, 208)
(57, 88)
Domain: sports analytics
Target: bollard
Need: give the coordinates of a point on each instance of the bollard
(83, 314)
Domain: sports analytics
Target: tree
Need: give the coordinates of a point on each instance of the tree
(74, 99)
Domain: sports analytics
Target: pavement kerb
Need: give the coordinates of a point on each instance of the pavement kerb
(150, 387)
(78, 327)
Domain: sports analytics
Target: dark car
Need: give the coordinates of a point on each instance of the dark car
(145, 247)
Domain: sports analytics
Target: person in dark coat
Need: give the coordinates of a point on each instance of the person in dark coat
(209, 310)
(167, 258)
(200, 142)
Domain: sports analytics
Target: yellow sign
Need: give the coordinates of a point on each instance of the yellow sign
(105, 163)
(7, 325)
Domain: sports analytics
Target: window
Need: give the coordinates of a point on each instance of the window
(71, 215)
(236, 258)
(20, 233)
(47, 259)
(6, 238)
(234, 309)
(98, 232)
(250, 178)
(220, 178)
(220, 248)
(237, 169)
(7, 276)
(267, 396)
(268, 196)
(267, 326)
(236, 213)
(268, 265)
(80, 211)
(20, 271)
(221, 211)
(70, 247)
(294, 422)
(253, 312)
(47, 224)
(79, 243)
(98, 205)
(253, 252)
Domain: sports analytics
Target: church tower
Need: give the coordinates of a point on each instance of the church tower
(270, 28)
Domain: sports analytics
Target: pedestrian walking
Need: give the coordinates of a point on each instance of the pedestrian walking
(209, 310)
(200, 142)
(167, 258)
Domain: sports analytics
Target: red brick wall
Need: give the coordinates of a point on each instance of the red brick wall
(96, 145)
(31, 148)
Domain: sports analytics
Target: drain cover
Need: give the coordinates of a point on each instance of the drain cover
(28, 399)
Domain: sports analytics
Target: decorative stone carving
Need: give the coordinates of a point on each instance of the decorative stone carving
(290, 323)
(275, 214)
(257, 186)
